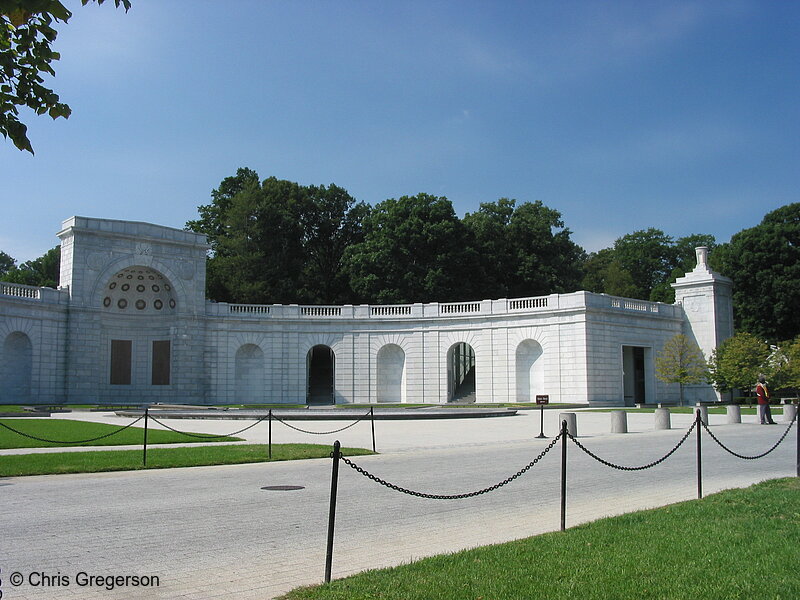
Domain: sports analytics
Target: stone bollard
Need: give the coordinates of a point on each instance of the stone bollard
(572, 422)
(789, 411)
(734, 413)
(703, 413)
(663, 419)
(619, 421)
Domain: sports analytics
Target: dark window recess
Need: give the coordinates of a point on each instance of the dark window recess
(120, 362)
(161, 350)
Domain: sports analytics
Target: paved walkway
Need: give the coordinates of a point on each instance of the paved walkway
(213, 532)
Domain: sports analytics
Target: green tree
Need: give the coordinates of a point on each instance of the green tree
(332, 222)
(738, 361)
(649, 256)
(764, 263)
(415, 249)
(523, 250)
(27, 32)
(6, 263)
(213, 217)
(260, 258)
(278, 241)
(40, 272)
(681, 361)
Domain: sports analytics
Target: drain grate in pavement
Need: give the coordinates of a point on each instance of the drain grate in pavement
(283, 488)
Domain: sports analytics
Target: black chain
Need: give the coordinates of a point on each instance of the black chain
(403, 490)
(321, 432)
(744, 456)
(38, 439)
(640, 468)
(207, 436)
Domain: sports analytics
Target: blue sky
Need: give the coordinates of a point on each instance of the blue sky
(621, 115)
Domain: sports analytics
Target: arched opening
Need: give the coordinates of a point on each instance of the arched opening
(249, 375)
(461, 373)
(320, 367)
(391, 380)
(17, 368)
(530, 371)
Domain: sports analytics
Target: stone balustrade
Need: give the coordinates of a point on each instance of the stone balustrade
(551, 303)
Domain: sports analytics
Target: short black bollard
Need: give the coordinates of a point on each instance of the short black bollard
(332, 511)
(144, 445)
(797, 426)
(563, 475)
(541, 423)
(372, 420)
(270, 434)
(698, 423)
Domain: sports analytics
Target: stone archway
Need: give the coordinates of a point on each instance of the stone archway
(391, 374)
(320, 362)
(530, 371)
(249, 367)
(17, 368)
(461, 373)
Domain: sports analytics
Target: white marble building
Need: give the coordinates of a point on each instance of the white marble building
(130, 324)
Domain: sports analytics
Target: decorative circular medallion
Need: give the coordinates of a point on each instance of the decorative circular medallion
(140, 304)
(140, 288)
(172, 303)
(125, 287)
(122, 303)
(158, 304)
(106, 301)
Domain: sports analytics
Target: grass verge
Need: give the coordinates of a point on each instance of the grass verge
(737, 545)
(69, 430)
(15, 465)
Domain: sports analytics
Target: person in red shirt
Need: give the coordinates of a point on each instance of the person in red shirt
(764, 412)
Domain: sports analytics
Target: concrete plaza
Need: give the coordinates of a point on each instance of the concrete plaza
(213, 532)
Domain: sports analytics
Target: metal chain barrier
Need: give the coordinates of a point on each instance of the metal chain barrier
(205, 436)
(492, 488)
(321, 432)
(744, 456)
(38, 439)
(639, 468)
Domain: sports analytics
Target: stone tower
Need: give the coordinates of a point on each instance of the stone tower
(706, 300)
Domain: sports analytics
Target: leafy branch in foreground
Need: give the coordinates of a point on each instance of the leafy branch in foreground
(27, 32)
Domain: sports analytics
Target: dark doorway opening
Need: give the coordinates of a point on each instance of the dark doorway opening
(320, 363)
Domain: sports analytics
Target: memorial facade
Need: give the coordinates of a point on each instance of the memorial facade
(130, 324)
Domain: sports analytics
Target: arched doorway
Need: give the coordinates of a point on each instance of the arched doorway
(461, 373)
(249, 375)
(391, 376)
(320, 362)
(17, 368)
(530, 372)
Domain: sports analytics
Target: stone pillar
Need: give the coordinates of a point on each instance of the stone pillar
(789, 411)
(619, 421)
(734, 413)
(662, 419)
(572, 422)
(703, 413)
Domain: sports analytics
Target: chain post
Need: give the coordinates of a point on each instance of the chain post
(336, 454)
(144, 445)
(797, 426)
(372, 421)
(563, 475)
(698, 424)
(270, 434)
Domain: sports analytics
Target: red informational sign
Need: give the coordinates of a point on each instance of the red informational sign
(542, 399)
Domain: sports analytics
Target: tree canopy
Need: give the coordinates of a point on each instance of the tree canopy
(40, 272)
(27, 33)
(764, 263)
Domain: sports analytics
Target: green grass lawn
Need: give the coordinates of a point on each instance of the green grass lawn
(159, 458)
(735, 545)
(68, 430)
